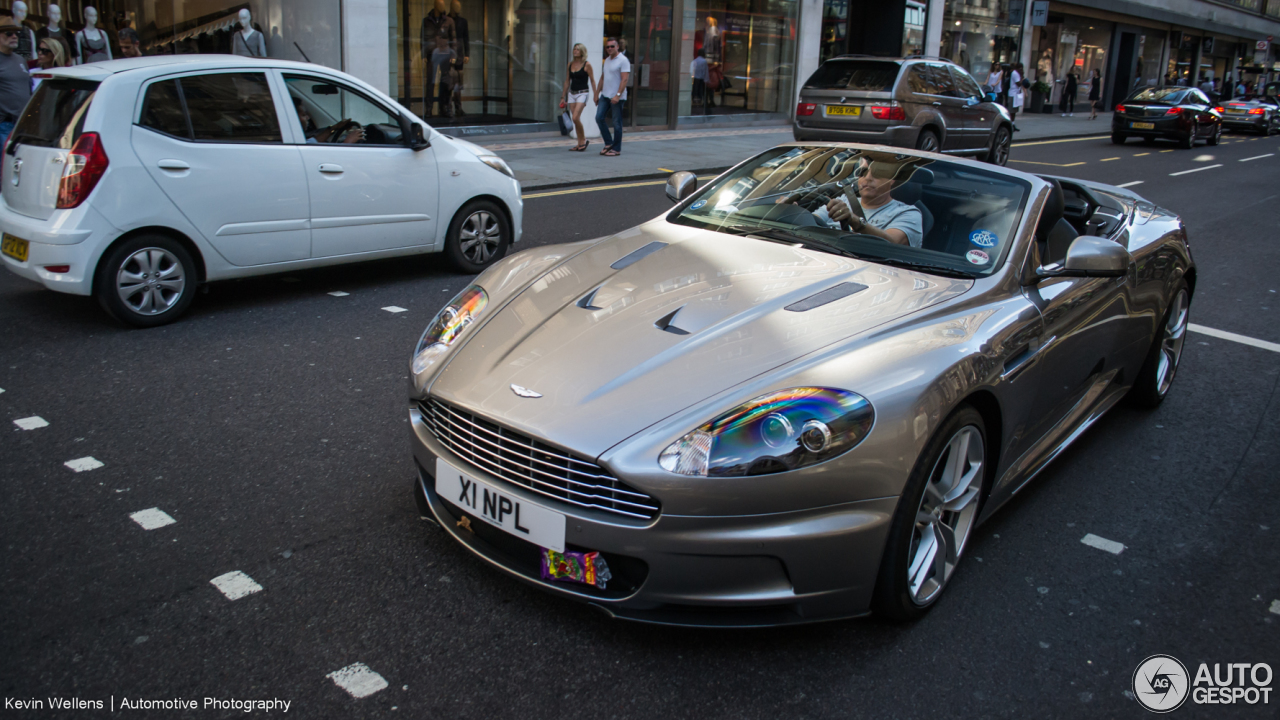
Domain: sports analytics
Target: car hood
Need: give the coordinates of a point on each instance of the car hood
(613, 350)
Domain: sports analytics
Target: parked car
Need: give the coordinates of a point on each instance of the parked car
(137, 180)
(786, 419)
(1172, 113)
(924, 103)
(1260, 114)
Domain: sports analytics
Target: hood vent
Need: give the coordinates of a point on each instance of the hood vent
(667, 323)
(588, 301)
(636, 256)
(830, 295)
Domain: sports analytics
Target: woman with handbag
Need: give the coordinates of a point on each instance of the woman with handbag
(577, 87)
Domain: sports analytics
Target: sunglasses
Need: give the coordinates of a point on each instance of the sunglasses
(608, 47)
(45, 51)
(9, 33)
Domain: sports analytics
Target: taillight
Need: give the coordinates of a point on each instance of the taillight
(805, 109)
(1257, 111)
(884, 112)
(1219, 110)
(83, 169)
(1173, 111)
(1120, 108)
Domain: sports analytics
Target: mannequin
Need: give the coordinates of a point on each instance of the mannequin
(246, 41)
(91, 42)
(438, 35)
(54, 30)
(27, 40)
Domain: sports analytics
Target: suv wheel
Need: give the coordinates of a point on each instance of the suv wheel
(147, 281)
(478, 236)
(928, 141)
(999, 153)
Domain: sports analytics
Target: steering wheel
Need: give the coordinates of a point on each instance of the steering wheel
(340, 129)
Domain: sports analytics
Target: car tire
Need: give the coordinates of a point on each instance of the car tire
(928, 141)
(1118, 138)
(1266, 130)
(905, 588)
(479, 236)
(1161, 365)
(1188, 142)
(999, 152)
(146, 281)
(1215, 137)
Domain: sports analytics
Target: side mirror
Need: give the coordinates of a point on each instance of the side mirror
(971, 101)
(991, 97)
(411, 133)
(1091, 256)
(681, 185)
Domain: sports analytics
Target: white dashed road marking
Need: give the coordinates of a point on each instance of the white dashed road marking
(152, 518)
(31, 423)
(339, 293)
(393, 309)
(1242, 339)
(236, 585)
(84, 463)
(1110, 546)
(1206, 167)
(1275, 606)
(1257, 157)
(1131, 184)
(358, 680)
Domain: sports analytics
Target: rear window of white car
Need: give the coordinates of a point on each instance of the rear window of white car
(222, 107)
(55, 116)
(863, 75)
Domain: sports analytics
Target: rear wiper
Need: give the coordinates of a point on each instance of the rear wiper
(21, 137)
(786, 236)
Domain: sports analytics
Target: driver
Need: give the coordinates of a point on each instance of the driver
(881, 216)
(324, 135)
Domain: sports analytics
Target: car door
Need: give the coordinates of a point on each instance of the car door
(943, 96)
(977, 114)
(212, 142)
(369, 190)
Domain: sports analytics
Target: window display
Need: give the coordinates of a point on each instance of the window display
(979, 36)
(750, 48)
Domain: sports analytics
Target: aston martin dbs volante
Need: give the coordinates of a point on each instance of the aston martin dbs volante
(794, 396)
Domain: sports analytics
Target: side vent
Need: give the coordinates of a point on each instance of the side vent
(667, 323)
(830, 295)
(637, 255)
(588, 301)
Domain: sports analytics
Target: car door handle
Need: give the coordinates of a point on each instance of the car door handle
(331, 168)
(168, 164)
(937, 103)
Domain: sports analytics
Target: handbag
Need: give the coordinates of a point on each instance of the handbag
(566, 123)
(714, 78)
(725, 84)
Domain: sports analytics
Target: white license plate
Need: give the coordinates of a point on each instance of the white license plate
(500, 509)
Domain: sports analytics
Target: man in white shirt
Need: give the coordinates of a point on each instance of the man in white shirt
(612, 86)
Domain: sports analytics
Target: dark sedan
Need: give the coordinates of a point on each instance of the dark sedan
(1174, 113)
(1259, 114)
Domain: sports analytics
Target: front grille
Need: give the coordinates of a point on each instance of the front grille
(521, 460)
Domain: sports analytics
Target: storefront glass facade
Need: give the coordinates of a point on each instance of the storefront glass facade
(1069, 44)
(977, 34)
(752, 43)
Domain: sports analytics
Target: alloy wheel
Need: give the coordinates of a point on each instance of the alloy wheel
(150, 281)
(1172, 336)
(946, 514)
(480, 235)
(1001, 154)
(928, 142)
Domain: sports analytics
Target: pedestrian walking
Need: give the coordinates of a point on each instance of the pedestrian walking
(1017, 84)
(15, 81)
(700, 73)
(577, 86)
(1095, 94)
(1068, 102)
(612, 86)
(1241, 88)
(995, 79)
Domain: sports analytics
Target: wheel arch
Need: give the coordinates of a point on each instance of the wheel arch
(988, 406)
(181, 238)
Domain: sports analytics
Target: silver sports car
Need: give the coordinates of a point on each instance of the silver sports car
(793, 397)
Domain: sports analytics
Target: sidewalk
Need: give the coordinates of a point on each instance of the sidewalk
(546, 163)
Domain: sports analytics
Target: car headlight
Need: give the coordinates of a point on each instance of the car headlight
(773, 433)
(498, 164)
(448, 324)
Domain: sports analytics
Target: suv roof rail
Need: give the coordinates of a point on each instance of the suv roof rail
(939, 58)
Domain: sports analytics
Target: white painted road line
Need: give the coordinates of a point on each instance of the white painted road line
(358, 680)
(31, 423)
(1257, 157)
(152, 518)
(84, 463)
(1242, 339)
(1275, 606)
(236, 585)
(1110, 546)
(339, 293)
(393, 309)
(1206, 167)
(1131, 184)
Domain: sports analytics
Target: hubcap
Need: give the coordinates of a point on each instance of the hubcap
(1171, 339)
(480, 236)
(945, 515)
(150, 281)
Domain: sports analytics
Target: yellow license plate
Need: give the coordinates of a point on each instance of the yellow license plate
(1143, 126)
(853, 110)
(15, 248)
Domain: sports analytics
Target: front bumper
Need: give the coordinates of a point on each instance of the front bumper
(711, 571)
(70, 237)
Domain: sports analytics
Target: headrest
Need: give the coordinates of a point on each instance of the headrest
(908, 193)
(1052, 212)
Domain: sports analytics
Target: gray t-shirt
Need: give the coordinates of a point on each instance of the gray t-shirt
(611, 76)
(893, 215)
(15, 86)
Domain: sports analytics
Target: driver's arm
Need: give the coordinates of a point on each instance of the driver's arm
(839, 210)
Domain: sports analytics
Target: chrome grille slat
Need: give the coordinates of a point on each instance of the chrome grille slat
(521, 460)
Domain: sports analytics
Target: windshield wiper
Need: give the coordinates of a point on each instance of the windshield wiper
(786, 236)
(930, 268)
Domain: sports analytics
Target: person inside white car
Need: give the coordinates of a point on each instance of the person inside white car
(331, 134)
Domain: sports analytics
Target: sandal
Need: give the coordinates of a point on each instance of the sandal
(611, 153)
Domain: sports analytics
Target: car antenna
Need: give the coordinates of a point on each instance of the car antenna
(304, 55)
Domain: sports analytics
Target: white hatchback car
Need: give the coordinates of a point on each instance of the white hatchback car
(136, 180)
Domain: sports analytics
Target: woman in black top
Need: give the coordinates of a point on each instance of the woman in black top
(1095, 93)
(577, 87)
(1068, 103)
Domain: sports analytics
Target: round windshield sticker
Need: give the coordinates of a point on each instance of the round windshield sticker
(698, 205)
(977, 257)
(983, 238)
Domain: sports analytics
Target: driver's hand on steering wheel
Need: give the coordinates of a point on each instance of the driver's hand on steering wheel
(839, 210)
(354, 135)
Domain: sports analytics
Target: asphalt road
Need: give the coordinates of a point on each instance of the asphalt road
(270, 425)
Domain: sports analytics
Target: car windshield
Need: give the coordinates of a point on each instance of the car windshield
(1166, 95)
(930, 215)
(859, 75)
